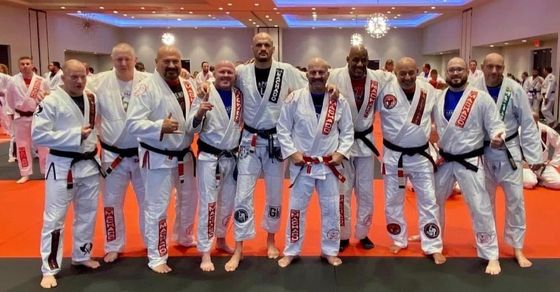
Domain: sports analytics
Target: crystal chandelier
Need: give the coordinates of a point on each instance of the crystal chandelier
(377, 25)
(356, 39)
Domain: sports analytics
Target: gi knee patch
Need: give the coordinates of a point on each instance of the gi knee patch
(485, 237)
(394, 228)
(431, 230)
(333, 235)
(86, 248)
(241, 215)
(274, 212)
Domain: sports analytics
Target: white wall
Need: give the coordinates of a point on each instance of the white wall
(442, 35)
(17, 37)
(198, 45)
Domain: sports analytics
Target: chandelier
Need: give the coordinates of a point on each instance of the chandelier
(377, 25)
(356, 39)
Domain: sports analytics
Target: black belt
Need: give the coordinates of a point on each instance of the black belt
(180, 154)
(268, 135)
(411, 151)
(24, 114)
(461, 158)
(205, 147)
(122, 153)
(508, 153)
(362, 136)
(76, 157)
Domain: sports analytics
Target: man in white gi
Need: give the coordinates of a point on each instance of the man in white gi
(474, 72)
(533, 90)
(464, 114)
(119, 148)
(218, 145)
(205, 75)
(360, 86)
(316, 133)
(265, 84)
(549, 96)
(25, 91)
(64, 122)
(159, 115)
(425, 74)
(54, 77)
(548, 176)
(503, 166)
(405, 109)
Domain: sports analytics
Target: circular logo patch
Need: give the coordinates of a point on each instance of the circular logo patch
(333, 234)
(243, 152)
(389, 101)
(241, 215)
(431, 230)
(394, 228)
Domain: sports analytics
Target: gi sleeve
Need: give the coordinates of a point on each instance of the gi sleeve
(528, 131)
(137, 117)
(492, 123)
(44, 133)
(285, 127)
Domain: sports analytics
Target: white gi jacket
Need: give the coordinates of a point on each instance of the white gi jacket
(549, 139)
(263, 112)
(300, 130)
(56, 80)
(150, 103)
(549, 87)
(57, 124)
(4, 82)
(515, 112)
(407, 124)
(218, 129)
(112, 117)
(363, 117)
(23, 98)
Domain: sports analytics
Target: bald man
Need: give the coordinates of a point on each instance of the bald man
(218, 146)
(119, 148)
(360, 86)
(466, 114)
(159, 116)
(64, 122)
(265, 83)
(504, 166)
(316, 134)
(405, 108)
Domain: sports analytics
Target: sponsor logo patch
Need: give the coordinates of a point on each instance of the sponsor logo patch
(241, 215)
(333, 234)
(431, 230)
(367, 220)
(372, 96)
(389, 101)
(23, 157)
(466, 110)
(162, 237)
(211, 219)
(86, 248)
(484, 237)
(110, 229)
(341, 210)
(274, 212)
(294, 225)
(276, 86)
(243, 152)
(330, 118)
(394, 228)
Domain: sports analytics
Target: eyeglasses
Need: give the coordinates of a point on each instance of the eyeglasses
(455, 70)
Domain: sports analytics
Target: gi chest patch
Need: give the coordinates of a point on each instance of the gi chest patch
(276, 86)
(431, 230)
(389, 101)
(394, 228)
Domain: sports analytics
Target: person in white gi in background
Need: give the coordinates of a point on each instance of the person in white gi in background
(265, 84)
(218, 146)
(64, 122)
(406, 106)
(425, 74)
(159, 115)
(316, 133)
(360, 86)
(205, 75)
(464, 114)
(474, 72)
(547, 177)
(119, 152)
(25, 91)
(533, 90)
(54, 77)
(6, 113)
(503, 166)
(549, 96)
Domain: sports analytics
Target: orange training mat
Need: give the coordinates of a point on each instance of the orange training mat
(22, 207)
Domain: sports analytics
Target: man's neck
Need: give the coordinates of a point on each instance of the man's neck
(495, 84)
(125, 76)
(457, 89)
(27, 75)
(263, 65)
(317, 91)
(410, 90)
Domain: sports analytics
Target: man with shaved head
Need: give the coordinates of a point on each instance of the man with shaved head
(160, 116)
(265, 83)
(316, 133)
(64, 122)
(405, 108)
(119, 148)
(360, 86)
(504, 166)
(464, 116)
(218, 145)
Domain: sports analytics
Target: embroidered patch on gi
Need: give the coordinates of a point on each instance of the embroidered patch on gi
(110, 229)
(484, 237)
(190, 230)
(39, 109)
(274, 212)
(86, 248)
(394, 228)
(211, 219)
(333, 234)
(241, 215)
(367, 220)
(276, 86)
(341, 210)
(294, 225)
(140, 89)
(431, 230)
(162, 237)
(243, 152)
(389, 101)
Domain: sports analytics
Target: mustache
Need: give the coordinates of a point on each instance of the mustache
(172, 70)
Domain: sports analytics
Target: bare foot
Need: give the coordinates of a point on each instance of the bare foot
(111, 257)
(23, 180)
(206, 265)
(521, 259)
(88, 264)
(162, 269)
(493, 267)
(333, 260)
(414, 238)
(48, 281)
(285, 261)
(237, 256)
(395, 249)
(439, 258)
(272, 251)
(221, 245)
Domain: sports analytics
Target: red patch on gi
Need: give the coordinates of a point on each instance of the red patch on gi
(341, 208)
(211, 219)
(389, 101)
(294, 225)
(110, 228)
(23, 157)
(162, 237)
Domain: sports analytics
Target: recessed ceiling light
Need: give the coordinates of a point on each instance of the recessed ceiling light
(433, 7)
(277, 12)
(441, 53)
(334, 19)
(254, 22)
(393, 7)
(274, 8)
(339, 27)
(115, 12)
(491, 46)
(182, 8)
(179, 19)
(388, 12)
(101, 7)
(267, 16)
(142, 8)
(209, 15)
(190, 12)
(125, 14)
(196, 27)
(313, 28)
(276, 25)
(153, 12)
(425, 11)
(62, 7)
(220, 8)
(506, 43)
(214, 17)
(250, 19)
(394, 27)
(229, 4)
(523, 41)
(257, 4)
(258, 25)
(79, 11)
(313, 8)
(398, 15)
(394, 17)
(227, 12)
(353, 8)
(132, 17)
(351, 12)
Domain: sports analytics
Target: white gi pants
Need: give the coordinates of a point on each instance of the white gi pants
(22, 130)
(549, 178)
(300, 195)
(249, 166)
(500, 173)
(477, 199)
(547, 108)
(428, 210)
(359, 174)
(186, 200)
(114, 188)
(215, 205)
(57, 200)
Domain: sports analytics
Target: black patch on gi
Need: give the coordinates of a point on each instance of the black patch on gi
(394, 228)
(241, 215)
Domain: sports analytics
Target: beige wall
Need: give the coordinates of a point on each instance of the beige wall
(17, 39)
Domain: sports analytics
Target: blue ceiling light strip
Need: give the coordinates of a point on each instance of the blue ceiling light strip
(143, 22)
(358, 3)
(296, 21)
